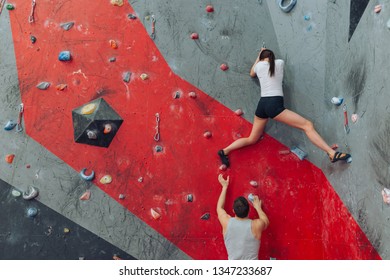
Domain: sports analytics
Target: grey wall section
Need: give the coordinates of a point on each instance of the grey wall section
(320, 64)
(60, 186)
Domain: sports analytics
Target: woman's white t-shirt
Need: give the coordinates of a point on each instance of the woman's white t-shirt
(270, 86)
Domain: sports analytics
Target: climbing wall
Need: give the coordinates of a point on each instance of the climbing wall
(175, 118)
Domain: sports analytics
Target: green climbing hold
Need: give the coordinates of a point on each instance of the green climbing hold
(10, 7)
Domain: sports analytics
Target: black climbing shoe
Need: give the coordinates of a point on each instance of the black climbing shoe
(341, 156)
(223, 158)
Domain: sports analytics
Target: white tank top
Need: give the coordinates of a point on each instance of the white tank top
(240, 242)
(270, 86)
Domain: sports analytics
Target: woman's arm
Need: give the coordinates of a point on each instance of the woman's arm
(252, 73)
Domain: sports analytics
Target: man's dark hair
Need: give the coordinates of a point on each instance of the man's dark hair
(241, 207)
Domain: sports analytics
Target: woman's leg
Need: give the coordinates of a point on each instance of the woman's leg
(257, 131)
(293, 119)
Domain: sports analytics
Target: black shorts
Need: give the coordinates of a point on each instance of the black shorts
(270, 107)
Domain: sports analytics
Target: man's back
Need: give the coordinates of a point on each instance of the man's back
(239, 240)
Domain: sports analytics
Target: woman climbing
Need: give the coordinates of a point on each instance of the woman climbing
(271, 105)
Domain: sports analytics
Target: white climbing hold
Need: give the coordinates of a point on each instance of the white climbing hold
(378, 9)
(207, 134)
(16, 193)
(144, 76)
(140, 179)
(88, 109)
(337, 100)
(254, 184)
(155, 214)
(251, 197)
(32, 192)
(192, 94)
(222, 167)
(238, 112)
(117, 2)
(354, 118)
(386, 195)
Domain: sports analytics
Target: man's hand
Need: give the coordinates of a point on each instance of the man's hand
(224, 183)
(256, 202)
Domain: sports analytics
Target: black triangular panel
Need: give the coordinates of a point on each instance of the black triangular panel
(356, 11)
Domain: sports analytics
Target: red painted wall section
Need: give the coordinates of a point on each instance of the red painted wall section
(308, 220)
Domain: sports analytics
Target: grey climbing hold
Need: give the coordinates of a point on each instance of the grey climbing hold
(205, 216)
(67, 25)
(176, 95)
(33, 39)
(190, 198)
(32, 212)
(43, 85)
(92, 134)
(31, 193)
(64, 56)
(158, 148)
(10, 125)
(112, 59)
(87, 177)
(126, 76)
(251, 197)
(299, 153)
(131, 16)
(287, 8)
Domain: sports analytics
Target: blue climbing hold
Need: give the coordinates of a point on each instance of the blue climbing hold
(32, 212)
(64, 56)
(10, 125)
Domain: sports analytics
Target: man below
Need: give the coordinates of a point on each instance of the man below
(241, 234)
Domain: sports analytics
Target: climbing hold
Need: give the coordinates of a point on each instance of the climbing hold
(112, 59)
(386, 195)
(190, 198)
(192, 94)
(224, 67)
(131, 16)
(337, 100)
(92, 134)
(144, 76)
(10, 7)
(113, 44)
(32, 212)
(10, 125)
(284, 152)
(32, 192)
(67, 25)
(223, 167)
(88, 109)
(66, 230)
(121, 196)
(158, 148)
(176, 95)
(140, 179)
(107, 128)
(209, 8)
(205, 216)
(9, 158)
(87, 177)
(156, 215)
(117, 2)
(194, 36)
(251, 197)
(254, 184)
(33, 39)
(306, 17)
(238, 112)
(298, 152)
(354, 118)
(378, 9)
(43, 85)
(287, 8)
(64, 56)
(61, 87)
(86, 195)
(334, 146)
(106, 179)
(207, 134)
(126, 76)
(16, 193)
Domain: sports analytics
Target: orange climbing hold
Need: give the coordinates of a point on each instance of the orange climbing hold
(86, 195)
(117, 2)
(9, 158)
(378, 9)
(113, 44)
(61, 87)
